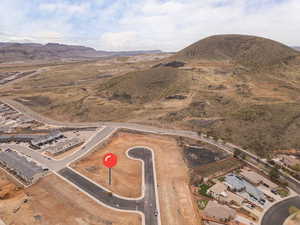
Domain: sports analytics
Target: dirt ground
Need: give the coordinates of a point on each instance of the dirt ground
(92, 167)
(176, 204)
(52, 201)
(9, 187)
(293, 220)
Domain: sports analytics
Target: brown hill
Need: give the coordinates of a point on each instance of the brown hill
(249, 51)
(203, 89)
(256, 109)
(148, 85)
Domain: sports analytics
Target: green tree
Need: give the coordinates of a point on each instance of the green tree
(296, 167)
(274, 173)
(237, 153)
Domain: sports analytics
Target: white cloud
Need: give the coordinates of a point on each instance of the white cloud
(171, 25)
(146, 24)
(12, 38)
(117, 40)
(62, 7)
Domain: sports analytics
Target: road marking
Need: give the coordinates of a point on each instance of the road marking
(155, 177)
(106, 189)
(122, 197)
(98, 201)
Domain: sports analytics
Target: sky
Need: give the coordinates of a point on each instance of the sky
(168, 25)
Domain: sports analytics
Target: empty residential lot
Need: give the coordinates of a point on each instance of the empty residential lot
(52, 201)
(176, 205)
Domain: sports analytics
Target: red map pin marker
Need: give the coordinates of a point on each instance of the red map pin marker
(110, 160)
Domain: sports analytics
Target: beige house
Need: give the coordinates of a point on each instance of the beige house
(219, 192)
(232, 198)
(257, 179)
(219, 212)
(289, 160)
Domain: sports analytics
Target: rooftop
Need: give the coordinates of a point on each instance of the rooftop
(218, 211)
(19, 163)
(256, 178)
(45, 138)
(239, 184)
(218, 188)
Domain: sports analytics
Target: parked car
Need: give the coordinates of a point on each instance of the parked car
(274, 192)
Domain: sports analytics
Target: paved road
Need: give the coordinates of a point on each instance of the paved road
(293, 183)
(146, 205)
(56, 165)
(278, 213)
(23, 109)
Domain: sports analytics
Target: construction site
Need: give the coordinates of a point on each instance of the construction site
(177, 206)
(52, 201)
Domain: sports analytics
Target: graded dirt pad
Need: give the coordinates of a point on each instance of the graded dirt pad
(52, 201)
(176, 204)
(9, 187)
(92, 167)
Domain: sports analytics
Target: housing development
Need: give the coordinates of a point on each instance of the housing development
(240, 193)
(149, 112)
(25, 169)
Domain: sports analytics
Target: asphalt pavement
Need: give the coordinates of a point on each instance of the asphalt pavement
(278, 213)
(147, 205)
(132, 126)
(56, 165)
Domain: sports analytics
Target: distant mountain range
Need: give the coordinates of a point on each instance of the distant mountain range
(55, 51)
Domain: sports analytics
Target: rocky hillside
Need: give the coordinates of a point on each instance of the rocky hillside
(249, 51)
(54, 51)
(227, 96)
(146, 86)
(212, 86)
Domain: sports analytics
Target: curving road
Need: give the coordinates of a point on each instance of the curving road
(292, 182)
(147, 204)
(56, 165)
(144, 128)
(278, 213)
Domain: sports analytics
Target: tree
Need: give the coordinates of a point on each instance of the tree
(237, 153)
(274, 174)
(296, 167)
